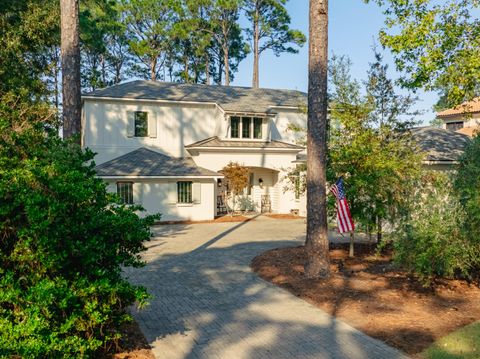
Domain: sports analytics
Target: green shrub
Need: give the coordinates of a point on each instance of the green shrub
(467, 186)
(63, 241)
(431, 240)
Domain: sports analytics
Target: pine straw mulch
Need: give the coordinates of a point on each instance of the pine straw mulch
(133, 345)
(371, 294)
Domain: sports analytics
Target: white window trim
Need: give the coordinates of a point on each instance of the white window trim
(252, 127)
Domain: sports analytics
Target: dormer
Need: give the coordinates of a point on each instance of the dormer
(245, 126)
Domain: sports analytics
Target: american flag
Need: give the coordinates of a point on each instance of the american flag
(344, 218)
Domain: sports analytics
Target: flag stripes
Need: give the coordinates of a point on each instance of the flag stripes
(344, 218)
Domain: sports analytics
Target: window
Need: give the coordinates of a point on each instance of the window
(454, 126)
(235, 127)
(246, 127)
(184, 192)
(141, 124)
(125, 191)
(257, 128)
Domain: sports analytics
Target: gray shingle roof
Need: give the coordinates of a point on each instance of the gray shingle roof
(230, 98)
(216, 142)
(145, 162)
(440, 144)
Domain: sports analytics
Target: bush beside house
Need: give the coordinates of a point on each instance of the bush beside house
(63, 241)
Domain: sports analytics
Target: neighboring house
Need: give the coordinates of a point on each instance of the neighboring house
(442, 147)
(464, 118)
(161, 145)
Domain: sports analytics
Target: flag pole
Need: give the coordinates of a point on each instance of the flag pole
(352, 249)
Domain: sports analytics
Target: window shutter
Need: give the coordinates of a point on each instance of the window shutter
(172, 196)
(152, 125)
(130, 124)
(197, 192)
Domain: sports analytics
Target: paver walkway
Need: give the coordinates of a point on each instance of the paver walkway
(208, 304)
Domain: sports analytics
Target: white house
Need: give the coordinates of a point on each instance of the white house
(162, 144)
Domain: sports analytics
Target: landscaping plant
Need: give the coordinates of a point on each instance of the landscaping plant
(63, 242)
(431, 240)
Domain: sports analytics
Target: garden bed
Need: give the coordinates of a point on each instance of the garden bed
(133, 345)
(371, 294)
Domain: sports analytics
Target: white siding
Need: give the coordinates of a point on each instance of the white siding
(159, 196)
(176, 126)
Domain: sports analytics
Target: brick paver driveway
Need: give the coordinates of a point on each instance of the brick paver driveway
(208, 304)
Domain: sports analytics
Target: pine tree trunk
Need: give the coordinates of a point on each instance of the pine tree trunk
(317, 246)
(255, 80)
(70, 55)
(351, 253)
(153, 69)
(207, 70)
(226, 66)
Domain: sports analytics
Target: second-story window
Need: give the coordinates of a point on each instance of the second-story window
(235, 127)
(141, 124)
(246, 123)
(246, 127)
(257, 128)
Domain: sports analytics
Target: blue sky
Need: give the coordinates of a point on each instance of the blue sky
(353, 26)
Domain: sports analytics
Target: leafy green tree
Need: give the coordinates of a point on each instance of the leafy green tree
(29, 29)
(192, 44)
(379, 164)
(103, 44)
(149, 28)
(227, 37)
(64, 242)
(390, 113)
(435, 45)
(368, 144)
(270, 30)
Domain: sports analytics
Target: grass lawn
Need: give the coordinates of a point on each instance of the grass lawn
(463, 343)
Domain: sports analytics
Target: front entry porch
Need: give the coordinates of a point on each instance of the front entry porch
(261, 195)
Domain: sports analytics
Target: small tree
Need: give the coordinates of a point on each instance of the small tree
(236, 179)
(376, 157)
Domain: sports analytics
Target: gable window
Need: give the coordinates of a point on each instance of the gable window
(125, 191)
(454, 126)
(246, 127)
(184, 192)
(141, 124)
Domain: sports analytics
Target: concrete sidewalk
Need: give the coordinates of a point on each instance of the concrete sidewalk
(208, 304)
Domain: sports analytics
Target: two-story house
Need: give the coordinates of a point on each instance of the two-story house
(162, 145)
